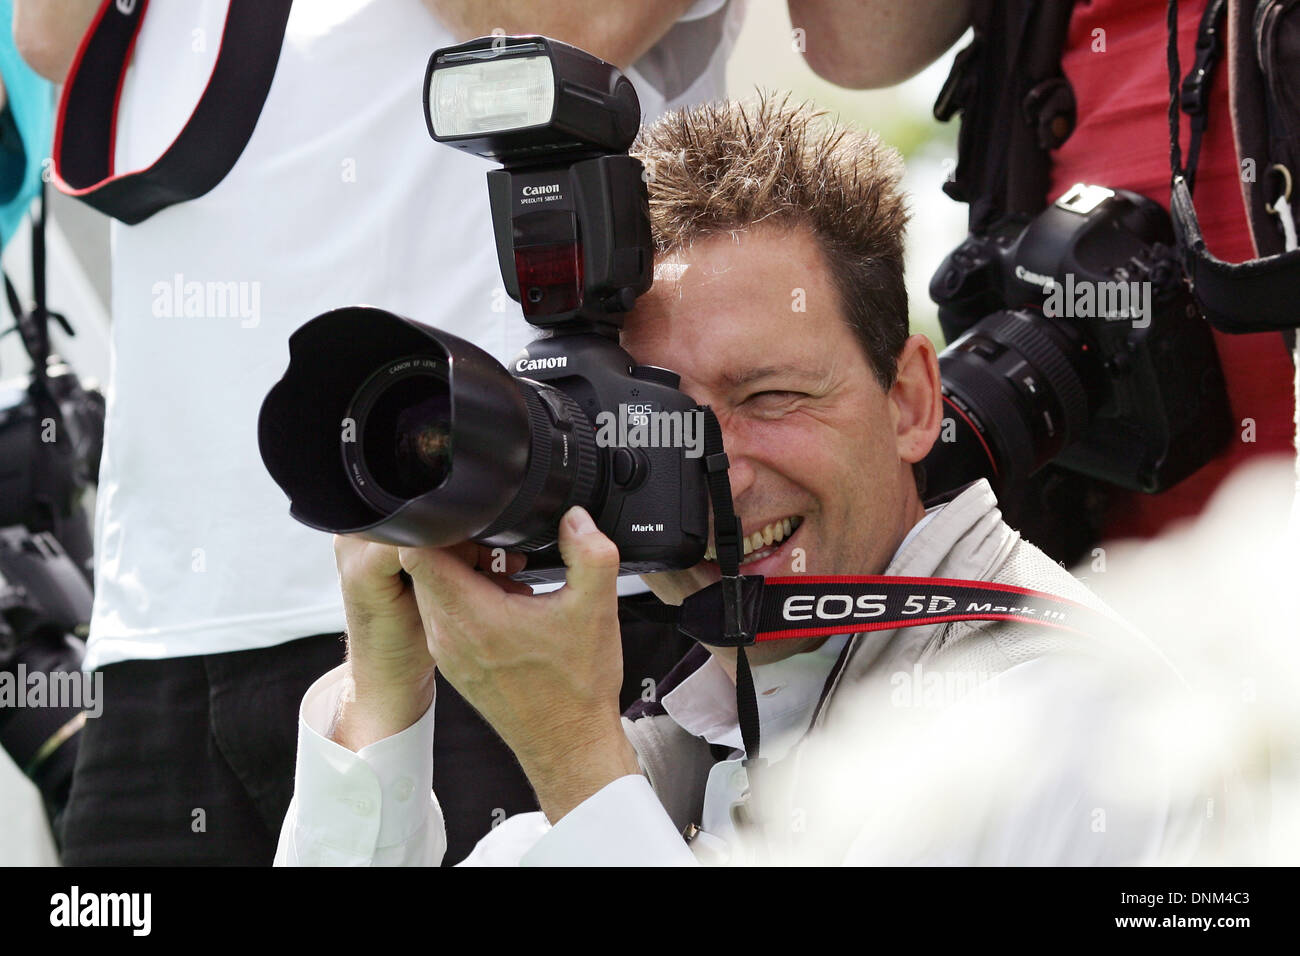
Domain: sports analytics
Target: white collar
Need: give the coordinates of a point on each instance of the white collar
(787, 691)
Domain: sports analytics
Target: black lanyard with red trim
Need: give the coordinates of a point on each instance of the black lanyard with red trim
(741, 610)
(805, 606)
(212, 139)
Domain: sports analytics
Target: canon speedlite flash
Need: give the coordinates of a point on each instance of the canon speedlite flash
(521, 100)
(559, 121)
(403, 433)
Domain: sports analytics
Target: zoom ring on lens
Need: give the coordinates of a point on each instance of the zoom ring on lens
(547, 491)
(1045, 355)
(993, 409)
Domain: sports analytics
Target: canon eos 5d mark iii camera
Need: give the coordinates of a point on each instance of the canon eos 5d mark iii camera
(1077, 344)
(401, 433)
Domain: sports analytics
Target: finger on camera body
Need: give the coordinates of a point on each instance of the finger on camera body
(590, 559)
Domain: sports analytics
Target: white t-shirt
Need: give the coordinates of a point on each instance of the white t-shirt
(340, 198)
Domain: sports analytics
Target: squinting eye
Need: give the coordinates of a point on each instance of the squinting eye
(773, 402)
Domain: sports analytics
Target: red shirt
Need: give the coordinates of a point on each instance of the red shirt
(1122, 141)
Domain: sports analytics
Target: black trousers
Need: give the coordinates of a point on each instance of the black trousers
(191, 761)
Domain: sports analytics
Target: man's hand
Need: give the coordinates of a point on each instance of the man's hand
(618, 32)
(392, 670)
(544, 670)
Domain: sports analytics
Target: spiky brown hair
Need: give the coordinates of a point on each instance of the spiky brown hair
(725, 167)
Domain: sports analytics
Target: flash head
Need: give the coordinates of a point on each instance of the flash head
(570, 207)
(525, 99)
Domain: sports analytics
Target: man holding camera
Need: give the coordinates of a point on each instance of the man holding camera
(779, 299)
(213, 611)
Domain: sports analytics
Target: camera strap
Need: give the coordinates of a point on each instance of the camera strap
(210, 142)
(32, 324)
(1258, 295)
(1009, 88)
(741, 610)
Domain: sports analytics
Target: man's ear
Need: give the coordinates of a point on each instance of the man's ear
(916, 399)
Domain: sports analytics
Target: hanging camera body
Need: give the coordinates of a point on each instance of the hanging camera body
(44, 604)
(51, 438)
(1157, 407)
(401, 433)
(1075, 341)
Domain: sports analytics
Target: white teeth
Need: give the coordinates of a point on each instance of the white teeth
(772, 534)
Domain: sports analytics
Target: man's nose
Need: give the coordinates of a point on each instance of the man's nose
(740, 470)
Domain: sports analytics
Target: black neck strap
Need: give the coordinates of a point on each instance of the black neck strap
(32, 324)
(728, 537)
(804, 606)
(1257, 295)
(211, 141)
(1193, 96)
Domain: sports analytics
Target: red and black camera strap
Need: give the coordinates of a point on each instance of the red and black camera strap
(741, 610)
(803, 606)
(210, 142)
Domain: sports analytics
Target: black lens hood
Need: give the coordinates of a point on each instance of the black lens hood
(303, 420)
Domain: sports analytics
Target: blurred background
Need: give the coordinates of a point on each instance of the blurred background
(769, 56)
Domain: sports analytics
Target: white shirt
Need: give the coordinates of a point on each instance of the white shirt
(370, 807)
(367, 808)
(364, 808)
(339, 198)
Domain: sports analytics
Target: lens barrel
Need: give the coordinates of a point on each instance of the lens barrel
(411, 436)
(1018, 388)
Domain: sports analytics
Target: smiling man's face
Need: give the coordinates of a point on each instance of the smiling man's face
(812, 437)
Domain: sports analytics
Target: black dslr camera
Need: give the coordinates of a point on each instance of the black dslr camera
(51, 439)
(404, 434)
(1077, 343)
(45, 603)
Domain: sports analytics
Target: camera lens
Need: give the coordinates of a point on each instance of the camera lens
(1017, 389)
(403, 427)
(396, 439)
(439, 442)
(421, 445)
